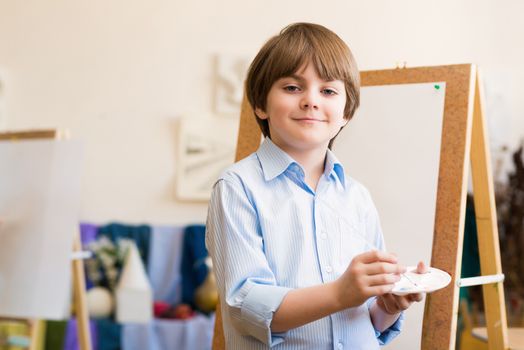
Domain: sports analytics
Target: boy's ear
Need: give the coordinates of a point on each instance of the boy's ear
(260, 113)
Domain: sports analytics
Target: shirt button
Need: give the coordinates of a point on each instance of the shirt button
(329, 269)
(340, 345)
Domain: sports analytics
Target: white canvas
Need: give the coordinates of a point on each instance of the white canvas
(392, 146)
(39, 205)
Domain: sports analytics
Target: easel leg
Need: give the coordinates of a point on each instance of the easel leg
(79, 288)
(486, 217)
(35, 334)
(219, 342)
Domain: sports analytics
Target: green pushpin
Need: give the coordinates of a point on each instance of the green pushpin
(436, 86)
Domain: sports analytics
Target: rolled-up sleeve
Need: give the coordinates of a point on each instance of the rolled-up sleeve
(246, 284)
(391, 333)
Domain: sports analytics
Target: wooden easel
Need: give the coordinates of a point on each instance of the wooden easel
(464, 139)
(79, 288)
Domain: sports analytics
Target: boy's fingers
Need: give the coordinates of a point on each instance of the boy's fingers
(384, 268)
(377, 255)
(382, 279)
(416, 297)
(389, 303)
(380, 290)
(403, 302)
(422, 268)
(388, 299)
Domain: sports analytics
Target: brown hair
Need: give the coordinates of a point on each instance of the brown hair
(297, 44)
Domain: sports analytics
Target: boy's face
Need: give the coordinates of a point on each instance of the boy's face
(304, 112)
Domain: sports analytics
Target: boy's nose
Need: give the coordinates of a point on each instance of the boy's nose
(309, 102)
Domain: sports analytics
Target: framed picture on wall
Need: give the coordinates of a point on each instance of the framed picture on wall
(230, 76)
(206, 146)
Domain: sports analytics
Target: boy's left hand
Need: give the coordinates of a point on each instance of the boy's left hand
(393, 304)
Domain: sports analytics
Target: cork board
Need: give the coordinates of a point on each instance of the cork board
(440, 315)
(440, 321)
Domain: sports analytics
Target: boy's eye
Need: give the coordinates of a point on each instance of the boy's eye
(291, 88)
(329, 92)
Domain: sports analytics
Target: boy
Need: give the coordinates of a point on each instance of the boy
(289, 233)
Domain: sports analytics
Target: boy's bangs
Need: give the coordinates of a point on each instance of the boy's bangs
(289, 59)
(326, 59)
(328, 64)
(330, 59)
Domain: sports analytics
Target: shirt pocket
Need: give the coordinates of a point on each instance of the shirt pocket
(352, 240)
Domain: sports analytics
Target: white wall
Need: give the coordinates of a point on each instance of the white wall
(119, 73)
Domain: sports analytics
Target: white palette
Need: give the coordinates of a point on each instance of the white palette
(413, 282)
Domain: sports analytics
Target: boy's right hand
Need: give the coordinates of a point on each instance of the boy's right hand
(369, 274)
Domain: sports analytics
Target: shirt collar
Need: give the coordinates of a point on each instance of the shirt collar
(333, 166)
(275, 161)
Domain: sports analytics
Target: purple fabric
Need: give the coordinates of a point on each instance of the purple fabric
(71, 335)
(87, 235)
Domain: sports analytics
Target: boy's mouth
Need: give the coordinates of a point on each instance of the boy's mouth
(309, 120)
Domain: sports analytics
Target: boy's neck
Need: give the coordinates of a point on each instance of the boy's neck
(312, 161)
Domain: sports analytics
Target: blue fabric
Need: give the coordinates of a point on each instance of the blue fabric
(470, 255)
(164, 263)
(192, 334)
(109, 334)
(140, 234)
(268, 232)
(193, 268)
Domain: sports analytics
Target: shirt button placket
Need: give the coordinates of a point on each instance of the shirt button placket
(323, 244)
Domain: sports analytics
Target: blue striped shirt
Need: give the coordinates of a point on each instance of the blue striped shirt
(268, 232)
